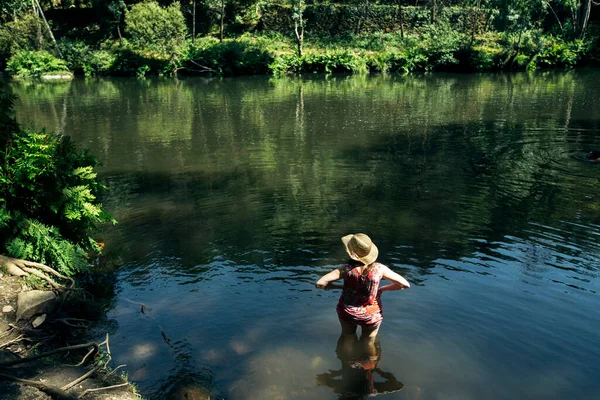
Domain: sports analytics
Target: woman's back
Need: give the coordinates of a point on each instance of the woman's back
(360, 289)
(358, 303)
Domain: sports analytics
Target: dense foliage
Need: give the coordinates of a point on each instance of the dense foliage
(48, 196)
(151, 26)
(127, 37)
(28, 64)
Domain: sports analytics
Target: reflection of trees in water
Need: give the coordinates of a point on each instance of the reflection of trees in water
(359, 376)
(430, 161)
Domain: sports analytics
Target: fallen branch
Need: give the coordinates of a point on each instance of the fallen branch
(53, 391)
(204, 67)
(92, 351)
(93, 370)
(86, 391)
(49, 353)
(113, 372)
(16, 340)
(81, 378)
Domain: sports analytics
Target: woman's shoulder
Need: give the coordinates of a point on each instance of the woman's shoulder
(379, 267)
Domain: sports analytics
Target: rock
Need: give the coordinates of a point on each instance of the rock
(34, 302)
(39, 320)
(7, 309)
(188, 392)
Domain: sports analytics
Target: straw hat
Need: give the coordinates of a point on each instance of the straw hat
(360, 248)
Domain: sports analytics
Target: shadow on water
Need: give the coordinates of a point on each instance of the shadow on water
(359, 377)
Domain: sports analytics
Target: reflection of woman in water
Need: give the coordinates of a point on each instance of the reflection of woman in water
(360, 302)
(356, 379)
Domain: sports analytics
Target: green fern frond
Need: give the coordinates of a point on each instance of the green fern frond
(85, 172)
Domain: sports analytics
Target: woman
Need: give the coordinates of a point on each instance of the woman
(360, 302)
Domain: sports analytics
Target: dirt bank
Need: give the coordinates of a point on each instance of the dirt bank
(20, 340)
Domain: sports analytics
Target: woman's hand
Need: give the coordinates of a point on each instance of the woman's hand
(320, 285)
(393, 286)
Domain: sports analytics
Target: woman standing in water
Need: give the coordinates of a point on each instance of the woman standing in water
(360, 302)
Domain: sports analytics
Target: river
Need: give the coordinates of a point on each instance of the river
(232, 196)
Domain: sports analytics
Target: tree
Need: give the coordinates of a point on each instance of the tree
(218, 7)
(148, 24)
(298, 7)
(363, 15)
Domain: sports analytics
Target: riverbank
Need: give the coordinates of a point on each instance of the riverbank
(274, 54)
(278, 38)
(40, 330)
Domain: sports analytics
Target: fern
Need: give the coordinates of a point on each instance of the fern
(48, 191)
(46, 245)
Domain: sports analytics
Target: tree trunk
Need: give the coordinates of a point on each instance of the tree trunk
(475, 21)
(222, 20)
(193, 21)
(363, 16)
(584, 17)
(48, 28)
(38, 35)
(299, 30)
(401, 15)
(433, 12)
(556, 17)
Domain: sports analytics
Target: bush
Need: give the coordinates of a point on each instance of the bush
(231, 57)
(151, 26)
(47, 198)
(559, 53)
(34, 64)
(18, 35)
(81, 58)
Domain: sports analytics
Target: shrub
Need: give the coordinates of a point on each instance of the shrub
(80, 57)
(151, 26)
(47, 198)
(231, 57)
(559, 53)
(18, 35)
(33, 64)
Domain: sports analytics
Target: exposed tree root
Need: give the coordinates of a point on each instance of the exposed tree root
(74, 322)
(18, 267)
(53, 391)
(49, 353)
(62, 392)
(13, 341)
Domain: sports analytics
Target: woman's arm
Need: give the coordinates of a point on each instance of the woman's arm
(330, 277)
(390, 287)
(398, 281)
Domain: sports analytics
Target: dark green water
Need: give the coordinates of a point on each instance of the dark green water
(232, 196)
